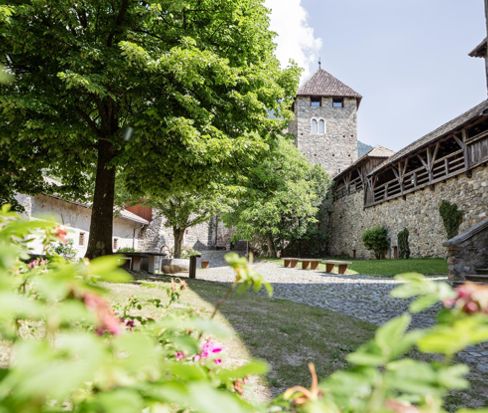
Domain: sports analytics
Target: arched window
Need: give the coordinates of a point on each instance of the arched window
(321, 127)
(314, 126)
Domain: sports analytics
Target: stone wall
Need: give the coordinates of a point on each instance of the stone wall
(419, 212)
(157, 234)
(337, 148)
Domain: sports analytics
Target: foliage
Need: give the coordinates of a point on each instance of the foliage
(452, 217)
(72, 352)
(187, 208)
(126, 249)
(376, 239)
(189, 252)
(162, 94)
(403, 245)
(65, 249)
(280, 199)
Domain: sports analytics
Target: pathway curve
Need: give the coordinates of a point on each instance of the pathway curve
(364, 297)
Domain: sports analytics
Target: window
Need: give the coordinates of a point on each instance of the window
(317, 126)
(338, 103)
(315, 102)
(314, 127)
(321, 127)
(81, 239)
(116, 244)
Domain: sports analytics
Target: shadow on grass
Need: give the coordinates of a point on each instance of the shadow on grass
(287, 335)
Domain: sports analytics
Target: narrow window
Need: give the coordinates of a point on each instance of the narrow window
(321, 127)
(81, 239)
(315, 102)
(338, 103)
(116, 244)
(314, 126)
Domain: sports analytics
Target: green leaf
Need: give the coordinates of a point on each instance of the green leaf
(253, 368)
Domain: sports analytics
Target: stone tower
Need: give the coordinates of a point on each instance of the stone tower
(325, 125)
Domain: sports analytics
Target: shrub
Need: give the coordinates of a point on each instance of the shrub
(376, 239)
(403, 245)
(452, 217)
(69, 351)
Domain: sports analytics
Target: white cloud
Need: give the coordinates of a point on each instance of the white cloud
(296, 39)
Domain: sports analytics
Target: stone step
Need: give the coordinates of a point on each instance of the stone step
(478, 278)
(483, 271)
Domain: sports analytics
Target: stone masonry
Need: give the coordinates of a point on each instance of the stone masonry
(337, 148)
(419, 212)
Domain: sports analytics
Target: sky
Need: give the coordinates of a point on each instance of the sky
(409, 59)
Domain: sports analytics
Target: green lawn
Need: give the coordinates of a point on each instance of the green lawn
(285, 334)
(426, 266)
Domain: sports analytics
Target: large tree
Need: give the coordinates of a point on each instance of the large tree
(280, 200)
(166, 93)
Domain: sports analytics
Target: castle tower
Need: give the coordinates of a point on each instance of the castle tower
(325, 125)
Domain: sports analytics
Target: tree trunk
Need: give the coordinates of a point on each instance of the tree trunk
(178, 234)
(101, 225)
(271, 247)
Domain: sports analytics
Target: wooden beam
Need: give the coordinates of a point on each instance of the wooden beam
(464, 134)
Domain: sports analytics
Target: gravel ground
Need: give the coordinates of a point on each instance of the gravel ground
(361, 296)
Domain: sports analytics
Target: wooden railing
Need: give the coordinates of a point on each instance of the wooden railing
(441, 169)
(355, 185)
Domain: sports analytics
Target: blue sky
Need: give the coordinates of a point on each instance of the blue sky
(407, 58)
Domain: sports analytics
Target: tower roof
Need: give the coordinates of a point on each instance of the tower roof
(480, 50)
(322, 83)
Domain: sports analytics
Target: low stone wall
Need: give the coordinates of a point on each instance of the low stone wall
(419, 212)
(468, 252)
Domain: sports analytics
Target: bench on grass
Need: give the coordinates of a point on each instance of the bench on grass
(311, 263)
(342, 265)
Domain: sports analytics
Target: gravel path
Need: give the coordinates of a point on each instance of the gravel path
(364, 297)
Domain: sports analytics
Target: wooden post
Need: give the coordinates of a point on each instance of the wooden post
(465, 148)
(193, 265)
(486, 57)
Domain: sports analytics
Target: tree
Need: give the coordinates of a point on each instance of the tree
(281, 198)
(165, 93)
(189, 208)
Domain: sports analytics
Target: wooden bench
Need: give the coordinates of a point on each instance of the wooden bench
(329, 265)
(311, 263)
(290, 262)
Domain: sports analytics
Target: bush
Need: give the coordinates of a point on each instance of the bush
(452, 217)
(403, 245)
(70, 351)
(376, 239)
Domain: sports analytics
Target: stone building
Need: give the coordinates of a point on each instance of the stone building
(405, 190)
(325, 125)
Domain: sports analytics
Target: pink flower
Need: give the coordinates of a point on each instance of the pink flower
(60, 233)
(207, 349)
(179, 355)
(470, 299)
(107, 321)
(218, 362)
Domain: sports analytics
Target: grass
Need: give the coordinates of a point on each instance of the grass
(388, 268)
(285, 334)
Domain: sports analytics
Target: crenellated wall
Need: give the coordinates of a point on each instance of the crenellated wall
(418, 211)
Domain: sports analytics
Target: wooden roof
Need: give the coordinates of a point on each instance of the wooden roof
(480, 50)
(322, 83)
(376, 152)
(441, 131)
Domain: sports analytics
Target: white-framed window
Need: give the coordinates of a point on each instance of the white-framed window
(315, 102)
(314, 126)
(318, 126)
(338, 103)
(321, 127)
